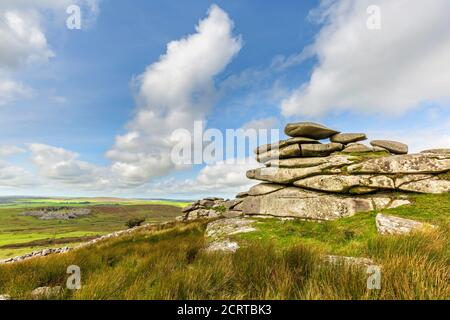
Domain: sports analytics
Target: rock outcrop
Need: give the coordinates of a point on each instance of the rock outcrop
(305, 178)
(218, 233)
(210, 208)
(395, 225)
(325, 181)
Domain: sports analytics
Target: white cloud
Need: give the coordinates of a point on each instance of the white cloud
(172, 93)
(434, 135)
(62, 166)
(259, 124)
(23, 39)
(11, 91)
(14, 176)
(9, 150)
(389, 70)
(225, 177)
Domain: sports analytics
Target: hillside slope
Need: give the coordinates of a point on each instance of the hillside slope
(280, 260)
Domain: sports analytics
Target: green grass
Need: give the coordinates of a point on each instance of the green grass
(107, 215)
(170, 264)
(83, 202)
(281, 260)
(349, 236)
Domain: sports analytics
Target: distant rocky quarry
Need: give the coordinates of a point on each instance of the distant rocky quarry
(58, 213)
(303, 177)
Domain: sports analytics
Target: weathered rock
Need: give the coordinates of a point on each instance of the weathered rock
(4, 297)
(290, 151)
(264, 188)
(232, 214)
(309, 130)
(46, 292)
(346, 138)
(401, 180)
(223, 246)
(230, 204)
(320, 150)
(392, 146)
(300, 203)
(380, 149)
(284, 143)
(191, 207)
(282, 175)
(241, 195)
(432, 185)
(226, 227)
(404, 164)
(395, 225)
(202, 214)
(343, 183)
(218, 233)
(357, 147)
(325, 162)
(437, 151)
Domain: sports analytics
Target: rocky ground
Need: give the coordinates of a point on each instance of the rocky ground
(58, 213)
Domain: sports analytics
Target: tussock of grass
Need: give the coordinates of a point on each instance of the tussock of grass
(170, 264)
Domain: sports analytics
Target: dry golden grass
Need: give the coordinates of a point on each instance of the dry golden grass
(170, 264)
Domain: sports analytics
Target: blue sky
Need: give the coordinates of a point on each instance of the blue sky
(67, 98)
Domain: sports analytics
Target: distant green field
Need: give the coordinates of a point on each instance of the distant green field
(81, 202)
(107, 215)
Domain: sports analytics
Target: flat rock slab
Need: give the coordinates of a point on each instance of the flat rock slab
(392, 146)
(299, 203)
(46, 292)
(284, 143)
(331, 161)
(320, 150)
(218, 233)
(357, 147)
(394, 225)
(404, 164)
(309, 130)
(282, 175)
(265, 188)
(343, 183)
(437, 151)
(432, 185)
(290, 151)
(346, 138)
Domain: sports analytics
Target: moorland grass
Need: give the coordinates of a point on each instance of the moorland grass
(171, 264)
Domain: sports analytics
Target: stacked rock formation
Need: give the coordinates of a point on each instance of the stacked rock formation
(305, 178)
(212, 208)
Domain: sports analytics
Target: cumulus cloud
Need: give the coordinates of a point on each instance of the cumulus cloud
(390, 70)
(224, 177)
(9, 150)
(11, 91)
(63, 166)
(23, 40)
(12, 176)
(172, 93)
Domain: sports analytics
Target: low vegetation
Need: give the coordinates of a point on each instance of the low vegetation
(281, 260)
(21, 233)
